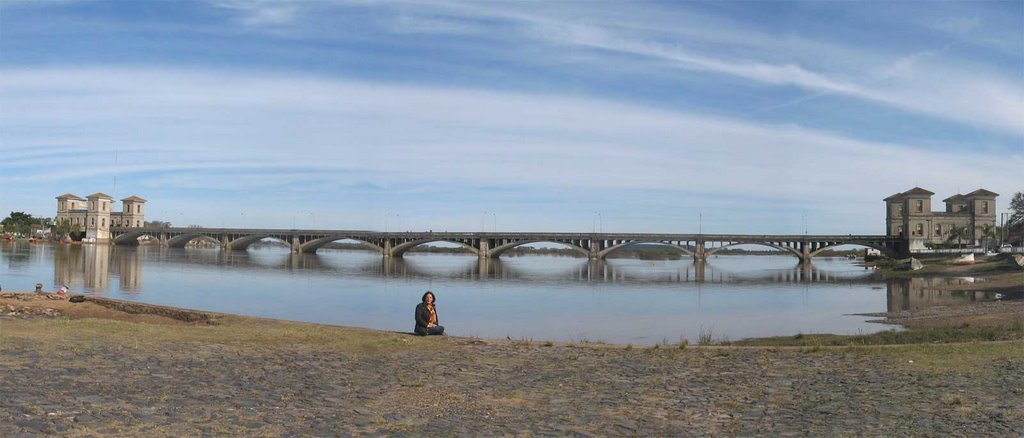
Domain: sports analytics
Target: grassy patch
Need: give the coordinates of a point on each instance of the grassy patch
(250, 333)
(1006, 332)
(943, 358)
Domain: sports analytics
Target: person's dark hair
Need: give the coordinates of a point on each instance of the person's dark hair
(424, 299)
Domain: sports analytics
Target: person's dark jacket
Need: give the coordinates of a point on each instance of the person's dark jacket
(423, 317)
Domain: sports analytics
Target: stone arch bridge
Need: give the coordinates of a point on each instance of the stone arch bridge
(485, 245)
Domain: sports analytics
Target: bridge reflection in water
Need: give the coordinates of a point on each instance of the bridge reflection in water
(91, 267)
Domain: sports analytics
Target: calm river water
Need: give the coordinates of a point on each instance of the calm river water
(527, 297)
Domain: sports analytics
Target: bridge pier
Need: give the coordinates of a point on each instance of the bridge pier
(805, 253)
(387, 248)
(699, 252)
(595, 249)
(483, 249)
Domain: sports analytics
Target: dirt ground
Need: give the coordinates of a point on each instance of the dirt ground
(85, 369)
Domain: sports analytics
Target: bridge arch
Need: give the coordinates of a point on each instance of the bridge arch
(604, 252)
(130, 238)
(881, 248)
(500, 249)
(785, 249)
(404, 247)
(315, 244)
(182, 240)
(245, 241)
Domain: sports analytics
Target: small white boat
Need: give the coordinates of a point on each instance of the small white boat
(966, 259)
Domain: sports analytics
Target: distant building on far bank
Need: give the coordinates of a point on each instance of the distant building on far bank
(909, 214)
(94, 214)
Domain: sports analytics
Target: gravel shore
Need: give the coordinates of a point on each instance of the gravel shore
(245, 376)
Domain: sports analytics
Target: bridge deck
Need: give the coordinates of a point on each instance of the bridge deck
(527, 234)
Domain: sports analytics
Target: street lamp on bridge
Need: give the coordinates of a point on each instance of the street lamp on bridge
(387, 218)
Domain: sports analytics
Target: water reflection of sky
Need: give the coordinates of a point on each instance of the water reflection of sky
(534, 297)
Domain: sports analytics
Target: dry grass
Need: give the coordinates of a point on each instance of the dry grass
(946, 358)
(232, 331)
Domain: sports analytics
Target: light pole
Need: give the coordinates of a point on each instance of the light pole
(387, 218)
(495, 216)
(1002, 228)
(600, 222)
(700, 222)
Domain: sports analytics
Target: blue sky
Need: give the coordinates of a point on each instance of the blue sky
(733, 117)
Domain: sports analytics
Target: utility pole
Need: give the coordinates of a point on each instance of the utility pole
(1002, 228)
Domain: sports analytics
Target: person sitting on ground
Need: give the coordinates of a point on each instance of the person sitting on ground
(426, 317)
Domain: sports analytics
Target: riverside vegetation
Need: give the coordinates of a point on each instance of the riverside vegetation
(94, 368)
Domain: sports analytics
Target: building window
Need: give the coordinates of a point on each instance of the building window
(93, 221)
(137, 224)
(138, 209)
(899, 230)
(103, 223)
(920, 206)
(938, 230)
(984, 207)
(920, 228)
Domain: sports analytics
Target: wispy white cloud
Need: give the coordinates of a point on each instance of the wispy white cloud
(262, 12)
(976, 98)
(919, 82)
(230, 128)
(959, 25)
(413, 24)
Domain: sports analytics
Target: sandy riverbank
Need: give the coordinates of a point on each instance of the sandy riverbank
(89, 369)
